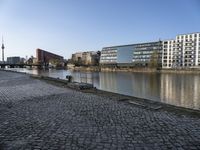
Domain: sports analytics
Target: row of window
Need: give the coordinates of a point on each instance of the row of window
(180, 49)
(109, 48)
(181, 42)
(143, 56)
(188, 36)
(167, 61)
(109, 57)
(169, 65)
(157, 44)
(142, 52)
(193, 42)
(109, 54)
(110, 60)
(148, 48)
(140, 60)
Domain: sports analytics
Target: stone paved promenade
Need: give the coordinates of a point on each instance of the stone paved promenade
(38, 115)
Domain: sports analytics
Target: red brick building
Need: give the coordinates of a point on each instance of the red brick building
(43, 57)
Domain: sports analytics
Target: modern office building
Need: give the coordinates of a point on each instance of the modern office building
(145, 53)
(13, 60)
(131, 55)
(125, 55)
(109, 56)
(183, 52)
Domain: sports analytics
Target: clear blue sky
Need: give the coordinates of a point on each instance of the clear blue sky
(67, 26)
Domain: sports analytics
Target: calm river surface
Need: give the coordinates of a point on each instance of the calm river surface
(176, 89)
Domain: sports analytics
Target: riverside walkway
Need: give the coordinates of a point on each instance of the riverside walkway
(38, 115)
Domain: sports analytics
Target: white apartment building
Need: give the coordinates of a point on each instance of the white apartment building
(167, 53)
(183, 52)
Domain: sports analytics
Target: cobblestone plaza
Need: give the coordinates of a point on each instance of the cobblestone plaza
(38, 115)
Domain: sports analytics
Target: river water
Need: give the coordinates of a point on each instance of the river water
(176, 89)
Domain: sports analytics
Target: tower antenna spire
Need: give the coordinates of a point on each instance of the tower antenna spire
(2, 47)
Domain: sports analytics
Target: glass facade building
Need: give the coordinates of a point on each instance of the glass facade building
(108, 56)
(145, 52)
(125, 54)
(130, 55)
(117, 55)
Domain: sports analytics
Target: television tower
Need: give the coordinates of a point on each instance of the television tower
(2, 47)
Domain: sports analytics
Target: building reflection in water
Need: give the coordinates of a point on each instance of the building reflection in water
(176, 89)
(134, 84)
(146, 85)
(108, 81)
(181, 90)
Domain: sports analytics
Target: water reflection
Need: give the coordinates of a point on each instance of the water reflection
(181, 90)
(50, 72)
(176, 89)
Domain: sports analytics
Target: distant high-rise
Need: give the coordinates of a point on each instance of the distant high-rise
(2, 47)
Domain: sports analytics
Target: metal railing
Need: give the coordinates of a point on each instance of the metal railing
(85, 77)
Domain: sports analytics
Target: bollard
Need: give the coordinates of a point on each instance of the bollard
(69, 78)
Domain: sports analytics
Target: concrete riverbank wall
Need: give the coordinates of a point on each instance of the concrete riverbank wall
(135, 69)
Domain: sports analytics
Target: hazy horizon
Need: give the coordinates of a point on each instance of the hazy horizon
(68, 26)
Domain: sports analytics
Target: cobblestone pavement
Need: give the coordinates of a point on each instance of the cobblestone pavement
(37, 115)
